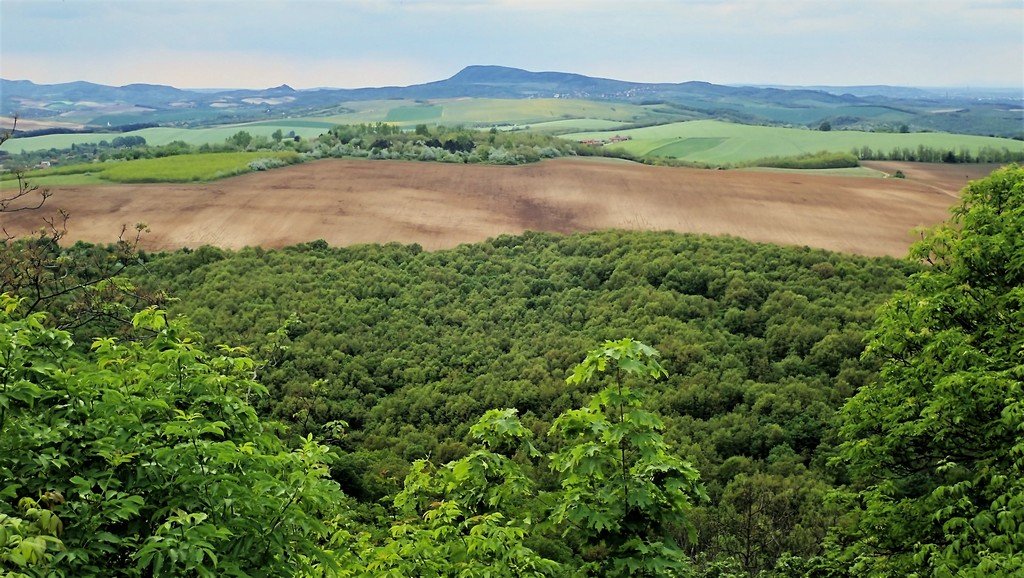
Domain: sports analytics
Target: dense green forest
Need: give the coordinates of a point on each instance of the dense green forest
(741, 409)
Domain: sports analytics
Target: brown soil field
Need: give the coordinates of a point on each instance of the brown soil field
(437, 205)
(7, 123)
(947, 178)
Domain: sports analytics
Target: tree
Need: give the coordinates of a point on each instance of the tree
(763, 515)
(466, 518)
(15, 201)
(825, 126)
(240, 139)
(76, 285)
(622, 492)
(146, 458)
(936, 445)
(277, 135)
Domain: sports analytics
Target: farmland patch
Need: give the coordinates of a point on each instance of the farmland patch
(438, 205)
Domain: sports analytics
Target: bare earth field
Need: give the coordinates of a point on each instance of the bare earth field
(943, 177)
(438, 205)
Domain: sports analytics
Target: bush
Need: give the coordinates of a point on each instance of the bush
(145, 458)
(818, 160)
(264, 164)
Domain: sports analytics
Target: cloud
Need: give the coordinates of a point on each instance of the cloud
(189, 69)
(946, 42)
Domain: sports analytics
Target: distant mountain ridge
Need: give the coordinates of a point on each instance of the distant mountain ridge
(750, 104)
(478, 81)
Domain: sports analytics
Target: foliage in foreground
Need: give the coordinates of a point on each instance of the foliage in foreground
(936, 445)
(145, 458)
(617, 491)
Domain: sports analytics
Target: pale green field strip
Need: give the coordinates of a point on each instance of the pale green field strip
(162, 135)
(492, 111)
(424, 113)
(173, 169)
(57, 181)
(721, 142)
(846, 172)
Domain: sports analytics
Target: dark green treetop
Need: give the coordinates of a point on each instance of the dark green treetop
(936, 444)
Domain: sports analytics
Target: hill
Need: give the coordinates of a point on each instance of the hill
(99, 105)
(716, 142)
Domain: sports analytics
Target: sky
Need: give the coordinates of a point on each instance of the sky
(357, 43)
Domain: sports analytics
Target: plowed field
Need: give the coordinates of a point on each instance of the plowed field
(440, 205)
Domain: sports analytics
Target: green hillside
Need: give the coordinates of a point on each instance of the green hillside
(173, 169)
(699, 141)
(716, 142)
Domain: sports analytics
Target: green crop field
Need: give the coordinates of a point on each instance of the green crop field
(287, 124)
(844, 172)
(708, 141)
(687, 146)
(163, 135)
(56, 180)
(184, 168)
(421, 113)
(173, 169)
(485, 112)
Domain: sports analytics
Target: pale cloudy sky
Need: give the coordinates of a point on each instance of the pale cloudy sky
(354, 43)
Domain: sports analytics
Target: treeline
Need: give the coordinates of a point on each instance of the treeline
(133, 147)
(373, 141)
(818, 160)
(444, 144)
(87, 130)
(925, 154)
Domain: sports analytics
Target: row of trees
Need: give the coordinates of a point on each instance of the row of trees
(458, 145)
(925, 154)
(376, 141)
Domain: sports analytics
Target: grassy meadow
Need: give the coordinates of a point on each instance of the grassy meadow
(164, 135)
(717, 142)
(172, 169)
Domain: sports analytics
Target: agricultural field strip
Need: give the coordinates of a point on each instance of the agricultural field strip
(747, 143)
(173, 169)
(438, 205)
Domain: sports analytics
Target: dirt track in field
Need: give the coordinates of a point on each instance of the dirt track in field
(440, 205)
(949, 178)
